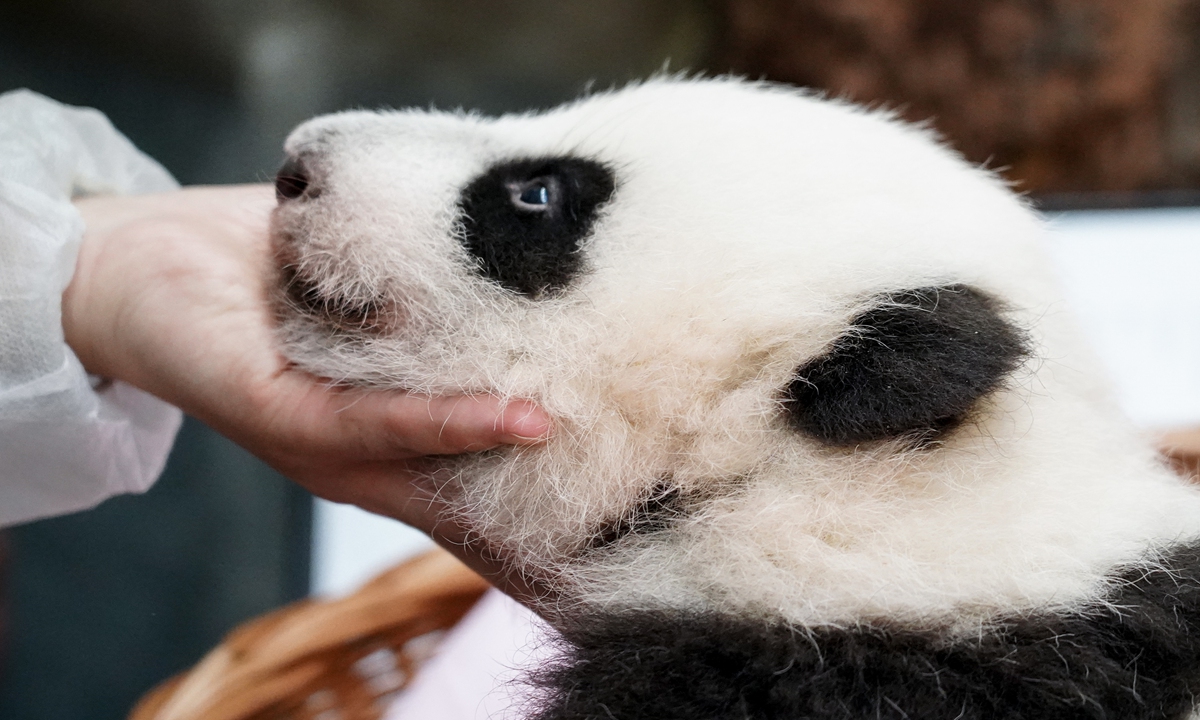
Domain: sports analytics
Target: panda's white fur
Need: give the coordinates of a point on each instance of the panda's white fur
(750, 224)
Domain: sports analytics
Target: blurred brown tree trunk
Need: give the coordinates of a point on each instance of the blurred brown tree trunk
(1064, 95)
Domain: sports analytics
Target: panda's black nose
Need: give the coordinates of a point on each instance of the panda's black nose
(292, 180)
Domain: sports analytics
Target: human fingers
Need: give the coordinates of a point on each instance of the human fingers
(397, 425)
(426, 425)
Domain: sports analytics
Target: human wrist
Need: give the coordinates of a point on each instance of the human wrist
(83, 312)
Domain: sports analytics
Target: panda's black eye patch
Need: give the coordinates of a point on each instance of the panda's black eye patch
(524, 220)
(912, 366)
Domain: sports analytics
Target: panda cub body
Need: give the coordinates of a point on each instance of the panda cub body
(827, 443)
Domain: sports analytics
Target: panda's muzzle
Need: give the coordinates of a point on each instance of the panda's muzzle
(306, 296)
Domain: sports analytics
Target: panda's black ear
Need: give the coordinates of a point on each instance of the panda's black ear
(911, 366)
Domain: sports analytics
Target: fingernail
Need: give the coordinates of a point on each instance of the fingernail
(523, 423)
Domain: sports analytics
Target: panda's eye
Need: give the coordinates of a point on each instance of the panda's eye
(537, 195)
(533, 195)
(524, 222)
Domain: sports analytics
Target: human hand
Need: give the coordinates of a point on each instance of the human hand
(170, 295)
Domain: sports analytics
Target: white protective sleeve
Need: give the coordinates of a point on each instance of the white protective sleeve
(67, 441)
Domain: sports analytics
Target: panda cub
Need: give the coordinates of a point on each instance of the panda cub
(827, 442)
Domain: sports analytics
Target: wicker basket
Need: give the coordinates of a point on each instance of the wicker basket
(345, 659)
(335, 660)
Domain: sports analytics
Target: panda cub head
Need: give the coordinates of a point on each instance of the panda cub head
(826, 443)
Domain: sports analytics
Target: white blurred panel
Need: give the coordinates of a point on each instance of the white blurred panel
(350, 546)
(1133, 279)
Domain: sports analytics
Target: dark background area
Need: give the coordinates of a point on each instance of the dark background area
(1064, 96)
(1086, 102)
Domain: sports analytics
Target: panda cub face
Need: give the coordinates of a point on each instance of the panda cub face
(807, 367)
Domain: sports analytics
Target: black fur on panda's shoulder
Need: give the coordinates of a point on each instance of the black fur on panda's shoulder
(912, 366)
(1136, 658)
(532, 248)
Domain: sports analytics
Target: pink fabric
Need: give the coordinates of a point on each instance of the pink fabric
(478, 666)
